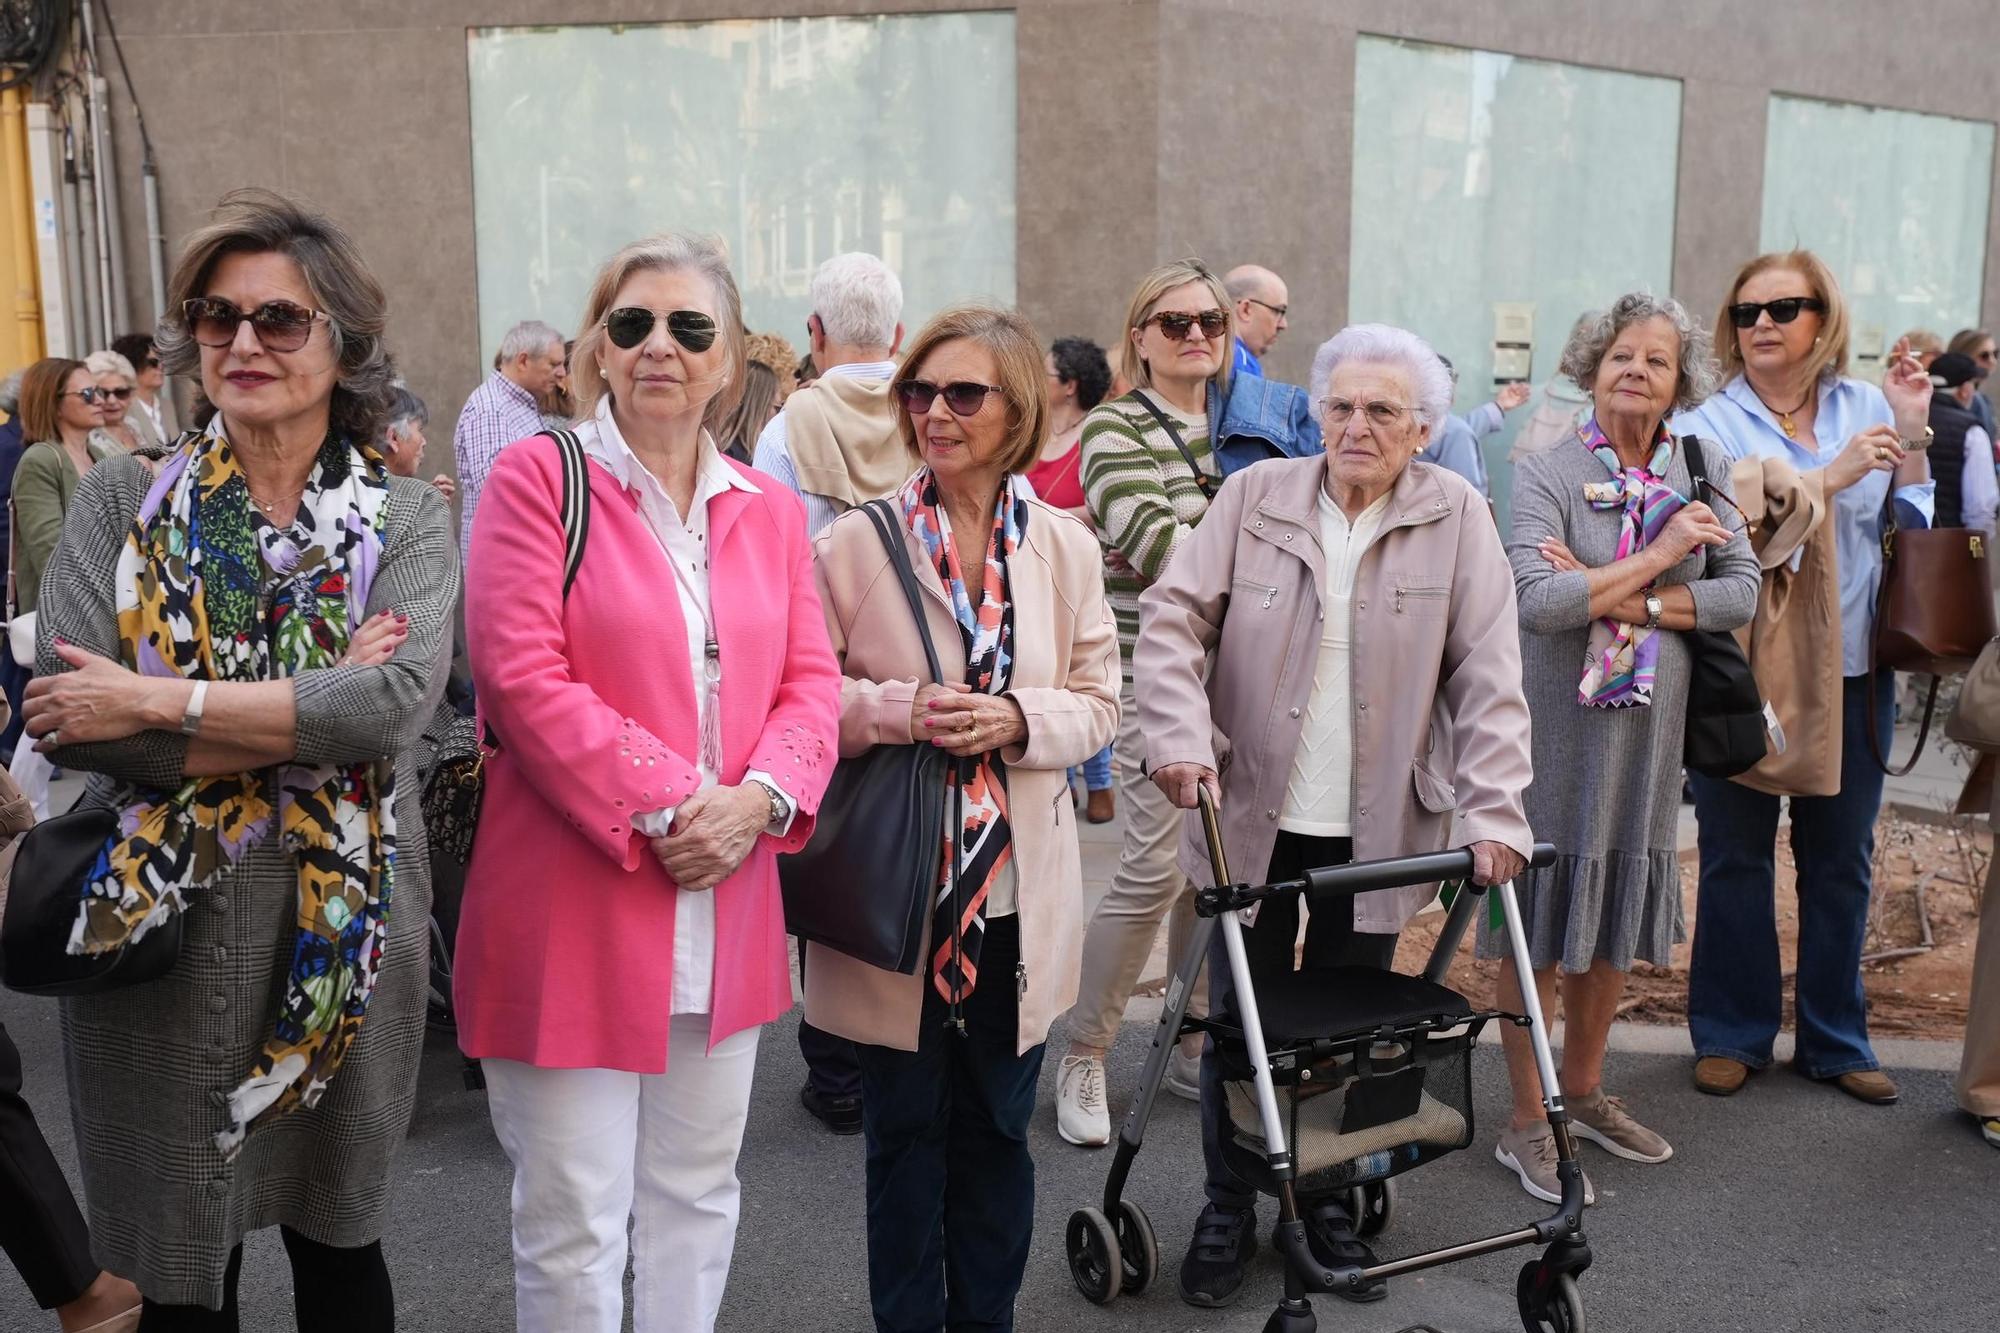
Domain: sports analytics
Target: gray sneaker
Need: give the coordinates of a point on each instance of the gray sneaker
(1605, 1122)
(1531, 1154)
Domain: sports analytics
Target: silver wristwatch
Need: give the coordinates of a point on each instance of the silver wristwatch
(779, 805)
(1653, 608)
(191, 716)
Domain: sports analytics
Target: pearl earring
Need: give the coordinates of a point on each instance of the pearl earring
(603, 374)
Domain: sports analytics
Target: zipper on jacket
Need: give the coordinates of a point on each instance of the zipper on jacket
(1021, 980)
(1417, 592)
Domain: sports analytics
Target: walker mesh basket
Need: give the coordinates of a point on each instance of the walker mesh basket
(1373, 1073)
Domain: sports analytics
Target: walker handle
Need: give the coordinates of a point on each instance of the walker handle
(1211, 825)
(1396, 872)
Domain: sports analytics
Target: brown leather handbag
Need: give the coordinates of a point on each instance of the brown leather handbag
(1935, 613)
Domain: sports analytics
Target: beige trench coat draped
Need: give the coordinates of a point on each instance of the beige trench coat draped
(1438, 717)
(1065, 678)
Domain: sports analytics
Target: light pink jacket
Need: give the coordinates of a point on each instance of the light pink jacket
(566, 944)
(1066, 682)
(1438, 717)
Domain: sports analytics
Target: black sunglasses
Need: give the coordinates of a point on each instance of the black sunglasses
(630, 325)
(1179, 325)
(1783, 310)
(281, 326)
(120, 394)
(963, 397)
(89, 396)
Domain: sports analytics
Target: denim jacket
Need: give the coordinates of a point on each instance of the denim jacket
(1261, 419)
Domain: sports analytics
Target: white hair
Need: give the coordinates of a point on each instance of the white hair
(858, 300)
(110, 363)
(530, 335)
(1386, 345)
(10, 393)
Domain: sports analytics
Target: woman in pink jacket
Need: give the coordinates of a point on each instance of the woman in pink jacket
(665, 728)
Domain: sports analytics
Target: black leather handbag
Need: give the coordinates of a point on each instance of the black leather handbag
(44, 889)
(1725, 708)
(863, 884)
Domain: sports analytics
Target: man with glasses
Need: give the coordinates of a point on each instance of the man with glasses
(150, 420)
(1262, 302)
(835, 445)
(506, 408)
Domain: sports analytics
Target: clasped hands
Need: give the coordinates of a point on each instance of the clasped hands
(965, 723)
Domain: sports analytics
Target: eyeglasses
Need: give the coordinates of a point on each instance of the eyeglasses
(119, 394)
(1278, 310)
(1987, 357)
(1713, 492)
(89, 396)
(1782, 311)
(963, 397)
(1338, 411)
(630, 325)
(281, 326)
(1179, 326)
(152, 362)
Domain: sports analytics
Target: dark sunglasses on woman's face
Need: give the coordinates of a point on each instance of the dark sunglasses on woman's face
(89, 396)
(963, 397)
(280, 326)
(630, 325)
(1179, 326)
(119, 395)
(1783, 311)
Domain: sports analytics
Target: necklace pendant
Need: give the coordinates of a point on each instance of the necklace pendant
(1791, 431)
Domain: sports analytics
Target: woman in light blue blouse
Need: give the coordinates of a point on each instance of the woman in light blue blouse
(1782, 340)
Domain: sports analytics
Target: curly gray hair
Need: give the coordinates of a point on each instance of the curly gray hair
(1384, 344)
(1594, 334)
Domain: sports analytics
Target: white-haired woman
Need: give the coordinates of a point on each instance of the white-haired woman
(1616, 557)
(1346, 622)
(116, 381)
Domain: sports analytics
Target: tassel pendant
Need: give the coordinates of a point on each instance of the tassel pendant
(711, 707)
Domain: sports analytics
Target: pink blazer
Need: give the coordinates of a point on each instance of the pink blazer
(566, 942)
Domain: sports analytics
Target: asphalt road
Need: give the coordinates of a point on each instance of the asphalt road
(1786, 1207)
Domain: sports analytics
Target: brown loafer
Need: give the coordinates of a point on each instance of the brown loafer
(1719, 1076)
(1102, 807)
(1868, 1085)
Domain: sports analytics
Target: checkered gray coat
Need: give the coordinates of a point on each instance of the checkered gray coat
(149, 1066)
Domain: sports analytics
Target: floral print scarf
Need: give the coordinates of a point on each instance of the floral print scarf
(986, 628)
(1619, 663)
(210, 590)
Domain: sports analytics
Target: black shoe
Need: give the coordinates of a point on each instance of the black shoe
(1330, 1236)
(842, 1115)
(1224, 1241)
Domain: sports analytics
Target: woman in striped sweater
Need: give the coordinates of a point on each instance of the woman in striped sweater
(1148, 473)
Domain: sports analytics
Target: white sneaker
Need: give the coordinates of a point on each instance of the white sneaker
(1183, 1078)
(1081, 1114)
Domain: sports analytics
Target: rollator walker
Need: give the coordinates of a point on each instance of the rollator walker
(1342, 1078)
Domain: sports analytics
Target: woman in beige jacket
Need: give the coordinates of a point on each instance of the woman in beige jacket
(1366, 685)
(1013, 595)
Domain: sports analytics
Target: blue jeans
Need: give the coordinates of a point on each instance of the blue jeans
(1735, 990)
(1096, 771)
(951, 1186)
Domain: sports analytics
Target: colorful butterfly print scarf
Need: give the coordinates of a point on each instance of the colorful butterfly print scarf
(1620, 661)
(987, 632)
(209, 590)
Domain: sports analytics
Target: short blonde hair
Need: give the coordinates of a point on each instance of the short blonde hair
(111, 363)
(773, 351)
(1018, 361)
(671, 250)
(1156, 285)
(1830, 356)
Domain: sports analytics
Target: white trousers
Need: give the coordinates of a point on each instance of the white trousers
(592, 1147)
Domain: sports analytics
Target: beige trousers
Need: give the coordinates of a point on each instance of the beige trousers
(1979, 1067)
(1148, 886)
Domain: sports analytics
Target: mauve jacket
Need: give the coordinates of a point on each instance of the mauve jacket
(1065, 678)
(1439, 721)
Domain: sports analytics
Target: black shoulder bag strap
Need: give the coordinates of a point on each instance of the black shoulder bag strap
(575, 502)
(1697, 466)
(1201, 478)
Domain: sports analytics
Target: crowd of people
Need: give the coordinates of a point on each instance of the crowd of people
(702, 574)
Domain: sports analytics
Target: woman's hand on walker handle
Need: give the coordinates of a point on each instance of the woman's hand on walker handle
(1495, 863)
(1182, 784)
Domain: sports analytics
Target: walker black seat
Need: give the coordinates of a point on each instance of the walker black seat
(1333, 1001)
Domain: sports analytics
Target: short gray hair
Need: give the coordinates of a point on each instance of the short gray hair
(10, 393)
(858, 299)
(1594, 334)
(110, 363)
(405, 407)
(530, 335)
(1386, 345)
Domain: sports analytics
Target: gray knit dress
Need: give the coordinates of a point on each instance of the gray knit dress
(150, 1065)
(1607, 780)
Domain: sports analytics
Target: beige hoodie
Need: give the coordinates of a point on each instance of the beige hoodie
(841, 431)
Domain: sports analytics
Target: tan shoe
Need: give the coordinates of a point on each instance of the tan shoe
(1604, 1121)
(1718, 1075)
(1868, 1085)
(118, 1323)
(1102, 807)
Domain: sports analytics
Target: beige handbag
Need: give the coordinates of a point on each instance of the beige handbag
(1975, 718)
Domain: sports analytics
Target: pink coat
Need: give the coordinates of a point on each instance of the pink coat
(566, 943)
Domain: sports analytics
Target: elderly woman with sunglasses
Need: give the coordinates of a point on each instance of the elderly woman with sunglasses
(665, 715)
(241, 653)
(1013, 601)
(1333, 655)
(1782, 340)
(116, 382)
(1616, 556)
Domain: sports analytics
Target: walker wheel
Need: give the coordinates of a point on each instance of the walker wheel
(1554, 1306)
(1094, 1262)
(1372, 1206)
(1138, 1247)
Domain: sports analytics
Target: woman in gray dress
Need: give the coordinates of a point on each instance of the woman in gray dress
(1615, 559)
(244, 672)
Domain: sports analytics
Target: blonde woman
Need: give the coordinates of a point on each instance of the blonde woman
(116, 382)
